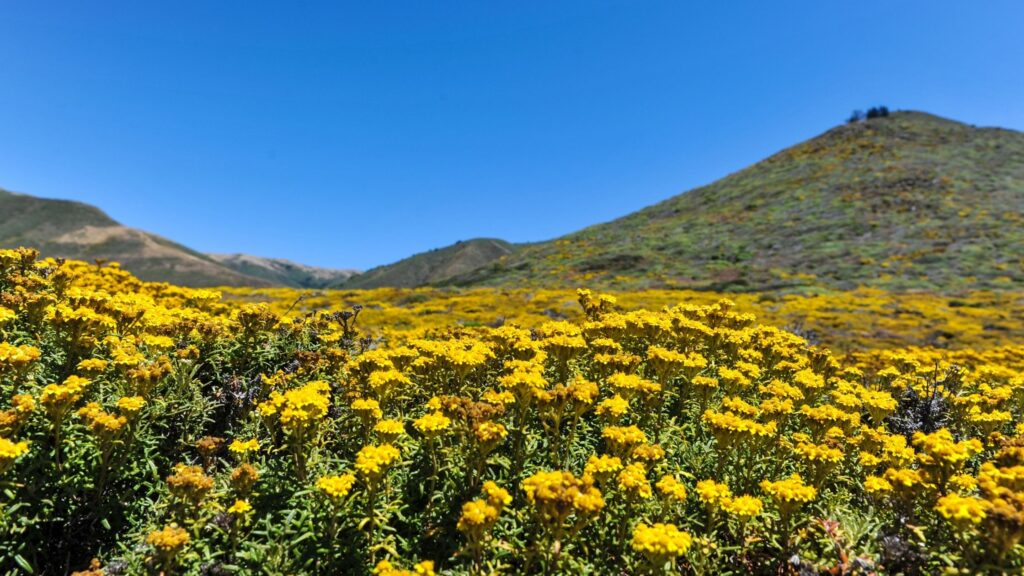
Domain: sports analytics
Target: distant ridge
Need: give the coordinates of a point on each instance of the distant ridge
(283, 272)
(435, 266)
(68, 229)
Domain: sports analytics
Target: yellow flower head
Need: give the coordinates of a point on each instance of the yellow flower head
(367, 408)
(239, 508)
(386, 568)
(92, 365)
(670, 487)
(557, 494)
(496, 495)
(478, 515)
(17, 358)
(169, 540)
(389, 430)
(57, 397)
(877, 485)
(104, 425)
(384, 380)
(613, 408)
(963, 510)
(10, 451)
(649, 453)
(789, 490)
(633, 481)
(488, 432)
(299, 409)
(600, 467)
(713, 493)
(131, 405)
(630, 384)
(336, 487)
(189, 483)
(242, 447)
(621, 438)
(373, 461)
(498, 398)
(432, 424)
(939, 451)
(743, 507)
(660, 542)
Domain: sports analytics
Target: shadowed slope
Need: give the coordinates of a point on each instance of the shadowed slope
(434, 267)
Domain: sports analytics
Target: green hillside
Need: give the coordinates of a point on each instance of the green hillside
(435, 266)
(906, 201)
(67, 229)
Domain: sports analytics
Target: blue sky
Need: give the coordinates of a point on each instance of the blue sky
(352, 134)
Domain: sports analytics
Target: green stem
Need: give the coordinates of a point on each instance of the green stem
(56, 444)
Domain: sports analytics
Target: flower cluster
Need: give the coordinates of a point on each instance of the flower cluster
(336, 487)
(661, 542)
(557, 495)
(631, 434)
(373, 461)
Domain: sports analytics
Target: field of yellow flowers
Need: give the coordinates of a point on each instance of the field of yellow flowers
(148, 428)
(844, 321)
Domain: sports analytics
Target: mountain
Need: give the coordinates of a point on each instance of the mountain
(435, 266)
(283, 272)
(62, 228)
(67, 229)
(906, 201)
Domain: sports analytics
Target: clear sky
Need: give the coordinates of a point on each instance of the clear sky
(351, 134)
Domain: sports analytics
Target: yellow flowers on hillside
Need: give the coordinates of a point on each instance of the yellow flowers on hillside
(198, 433)
(864, 318)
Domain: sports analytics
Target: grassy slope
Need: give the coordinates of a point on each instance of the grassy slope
(433, 267)
(67, 229)
(908, 201)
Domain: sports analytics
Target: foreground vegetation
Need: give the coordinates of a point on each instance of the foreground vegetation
(164, 429)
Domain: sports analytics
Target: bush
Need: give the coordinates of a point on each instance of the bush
(163, 430)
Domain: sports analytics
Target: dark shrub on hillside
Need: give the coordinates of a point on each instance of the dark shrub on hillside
(873, 112)
(877, 112)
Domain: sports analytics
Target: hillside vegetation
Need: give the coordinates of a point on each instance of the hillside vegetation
(844, 321)
(68, 229)
(906, 201)
(435, 266)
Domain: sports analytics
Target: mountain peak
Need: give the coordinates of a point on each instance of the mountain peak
(907, 201)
